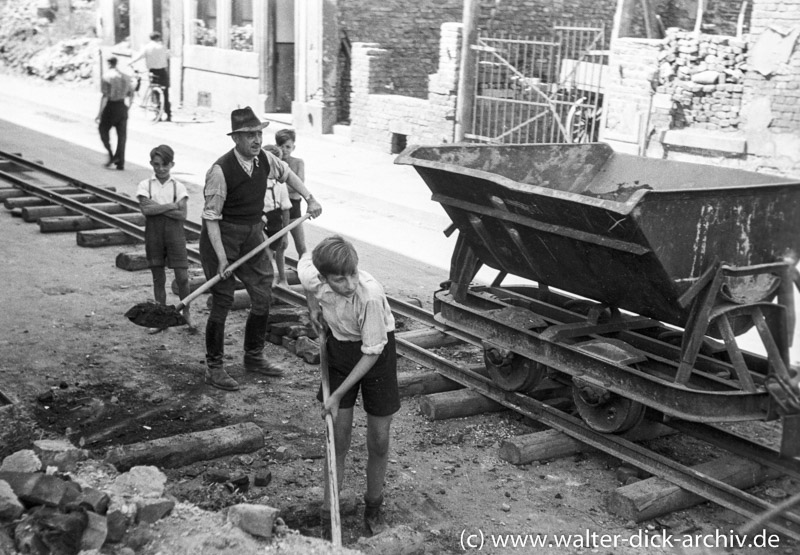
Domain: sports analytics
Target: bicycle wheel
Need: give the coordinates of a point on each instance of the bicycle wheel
(154, 104)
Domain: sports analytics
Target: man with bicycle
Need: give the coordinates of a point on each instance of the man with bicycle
(156, 58)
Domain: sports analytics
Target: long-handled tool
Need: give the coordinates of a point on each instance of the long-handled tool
(154, 315)
(333, 483)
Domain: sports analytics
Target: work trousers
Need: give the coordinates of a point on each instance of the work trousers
(115, 115)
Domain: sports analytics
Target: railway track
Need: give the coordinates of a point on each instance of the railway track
(83, 200)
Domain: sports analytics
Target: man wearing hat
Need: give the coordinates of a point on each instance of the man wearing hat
(232, 227)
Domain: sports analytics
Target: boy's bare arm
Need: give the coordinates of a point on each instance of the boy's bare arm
(314, 207)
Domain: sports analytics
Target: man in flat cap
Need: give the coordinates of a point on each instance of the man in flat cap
(232, 227)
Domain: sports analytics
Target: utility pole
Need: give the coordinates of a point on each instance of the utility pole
(465, 100)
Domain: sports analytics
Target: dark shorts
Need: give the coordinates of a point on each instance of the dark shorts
(165, 242)
(274, 225)
(379, 391)
(295, 212)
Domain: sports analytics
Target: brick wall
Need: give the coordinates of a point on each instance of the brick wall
(409, 30)
(703, 75)
(379, 117)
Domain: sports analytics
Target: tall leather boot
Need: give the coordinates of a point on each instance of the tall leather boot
(215, 349)
(255, 332)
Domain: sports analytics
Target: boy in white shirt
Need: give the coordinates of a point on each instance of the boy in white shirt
(163, 201)
(277, 206)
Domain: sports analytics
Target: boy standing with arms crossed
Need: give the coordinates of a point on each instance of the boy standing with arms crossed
(163, 201)
(361, 355)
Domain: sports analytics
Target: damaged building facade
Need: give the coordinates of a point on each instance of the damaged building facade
(717, 82)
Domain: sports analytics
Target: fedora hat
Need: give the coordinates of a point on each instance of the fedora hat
(244, 120)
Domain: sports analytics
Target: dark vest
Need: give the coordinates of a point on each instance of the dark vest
(245, 200)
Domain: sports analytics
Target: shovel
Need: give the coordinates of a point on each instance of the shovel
(154, 315)
(333, 484)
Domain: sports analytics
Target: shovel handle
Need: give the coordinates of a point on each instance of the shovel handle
(330, 446)
(216, 279)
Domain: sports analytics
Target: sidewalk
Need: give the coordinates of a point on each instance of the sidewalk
(364, 194)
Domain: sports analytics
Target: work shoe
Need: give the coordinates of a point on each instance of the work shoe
(219, 378)
(259, 363)
(374, 521)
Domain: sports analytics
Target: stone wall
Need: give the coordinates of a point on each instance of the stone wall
(386, 120)
(703, 75)
(722, 100)
(409, 31)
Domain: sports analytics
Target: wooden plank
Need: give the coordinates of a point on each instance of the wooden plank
(429, 382)
(94, 238)
(552, 444)
(185, 449)
(132, 261)
(655, 496)
(35, 213)
(21, 202)
(83, 223)
(456, 404)
(428, 338)
(15, 192)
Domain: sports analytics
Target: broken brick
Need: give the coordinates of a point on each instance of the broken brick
(153, 510)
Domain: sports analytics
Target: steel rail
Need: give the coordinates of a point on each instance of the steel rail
(100, 192)
(686, 478)
(125, 226)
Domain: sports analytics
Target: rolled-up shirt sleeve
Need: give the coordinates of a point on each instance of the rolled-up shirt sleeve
(307, 273)
(373, 327)
(278, 169)
(214, 192)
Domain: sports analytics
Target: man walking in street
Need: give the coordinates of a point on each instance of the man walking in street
(117, 97)
(234, 201)
(156, 58)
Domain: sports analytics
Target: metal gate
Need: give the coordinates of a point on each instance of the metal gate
(539, 91)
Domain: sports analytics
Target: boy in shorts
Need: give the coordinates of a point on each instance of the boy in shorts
(361, 355)
(163, 200)
(286, 139)
(276, 210)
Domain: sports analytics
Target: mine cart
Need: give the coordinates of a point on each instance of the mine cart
(638, 276)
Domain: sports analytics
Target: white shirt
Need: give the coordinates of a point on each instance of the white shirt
(277, 196)
(365, 317)
(171, 190)
(155, 54)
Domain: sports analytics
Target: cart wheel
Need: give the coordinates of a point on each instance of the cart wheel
(512, 372)
(604, 411)
(582, 122)
(154, 104)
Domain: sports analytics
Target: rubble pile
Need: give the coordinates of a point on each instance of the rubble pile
(54, 499)
(704, 75)
(22, 32)
(46, 508)
(29, 43)
(71, 60)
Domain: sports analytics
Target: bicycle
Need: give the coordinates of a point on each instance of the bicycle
(152, 102)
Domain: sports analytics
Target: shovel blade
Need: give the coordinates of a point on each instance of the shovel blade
(154, 315)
